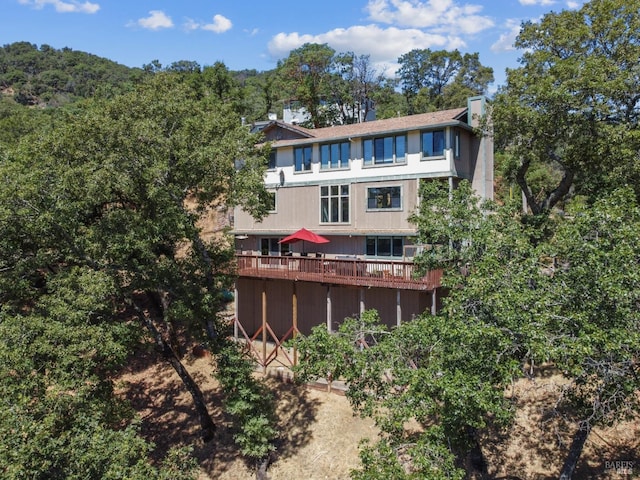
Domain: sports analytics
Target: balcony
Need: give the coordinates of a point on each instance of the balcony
(338, 271)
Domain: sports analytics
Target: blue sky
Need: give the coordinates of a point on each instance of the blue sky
(257, 33)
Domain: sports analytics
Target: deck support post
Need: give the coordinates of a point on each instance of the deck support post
(434, 301)
(362, 303)
(235, 314)
(398, 308)
(264, 326)
(329, 308)
(294, 301)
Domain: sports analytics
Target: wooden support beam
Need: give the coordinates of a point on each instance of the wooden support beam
(264, 325)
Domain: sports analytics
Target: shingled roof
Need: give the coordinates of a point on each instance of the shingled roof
(389, 125)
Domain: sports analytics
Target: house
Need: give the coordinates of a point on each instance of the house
(356, 185)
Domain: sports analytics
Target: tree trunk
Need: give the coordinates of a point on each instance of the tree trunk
(206, 422)
(476, 463)
(575, 450)
(261, 468)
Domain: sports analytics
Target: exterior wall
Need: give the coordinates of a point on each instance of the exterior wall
(298, 207)
(482, 150)
(313, 303)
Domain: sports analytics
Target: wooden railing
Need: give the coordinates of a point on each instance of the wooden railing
(339, 271)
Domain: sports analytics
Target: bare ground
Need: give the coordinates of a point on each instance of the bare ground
(320, 435)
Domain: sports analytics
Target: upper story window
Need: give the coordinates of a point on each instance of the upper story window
(334, 204)
(381, 198)
(335, 155)
(272, 160)
(302, 159)
(271, 201)
(385, 150)
(433, 143)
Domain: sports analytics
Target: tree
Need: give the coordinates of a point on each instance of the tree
(118, 189)
(517, 298)
(573, 105)
(306, 75)
(260, 94)
(435, 80)
(593, 317)
(355, 87)
(59, 416)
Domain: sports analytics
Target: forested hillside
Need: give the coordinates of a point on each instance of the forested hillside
(44, 75)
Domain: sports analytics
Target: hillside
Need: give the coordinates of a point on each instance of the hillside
(47, 76)
(319, 434)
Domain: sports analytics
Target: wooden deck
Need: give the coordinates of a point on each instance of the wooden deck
(338, 271)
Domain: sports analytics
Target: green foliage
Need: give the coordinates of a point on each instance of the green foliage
(306, 75)
(426, 458)
(429, 371)
(521, 291)
(544, 291)
(436, 80)
(48, 76)
(247, 400)
(333, 88)
(58, 413)
(595, 317)
(572, 106)
(100, 213)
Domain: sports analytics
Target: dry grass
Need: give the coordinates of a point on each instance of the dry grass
(320, 436)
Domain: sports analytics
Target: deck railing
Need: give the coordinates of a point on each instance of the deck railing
(339, 271)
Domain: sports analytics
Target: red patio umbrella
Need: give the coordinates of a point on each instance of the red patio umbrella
(304, 235)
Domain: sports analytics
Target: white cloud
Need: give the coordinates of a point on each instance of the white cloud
(506, 41)
(383, 45)
(220, 24)
(70, 6)
(537, 2)
(156, 20)
(437, 15)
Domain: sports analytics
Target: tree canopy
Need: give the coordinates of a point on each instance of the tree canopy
(573, 105)
(437, 80)
(101, 248)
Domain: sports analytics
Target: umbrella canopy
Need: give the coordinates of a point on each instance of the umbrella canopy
(304, 235)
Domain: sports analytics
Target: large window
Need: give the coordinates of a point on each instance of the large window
(384, 150)
(380, 198)
(302, 159)
(334, 204)
(433, 143)
(334, 155)
(384, 246)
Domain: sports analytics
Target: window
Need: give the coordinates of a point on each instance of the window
(334, 204)
(384, 150)
(433, 143)
(335, 155)
(384, 197)
(270, 246)
(272, 160)
(271, 201)
(302, 159)
(384, 246)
